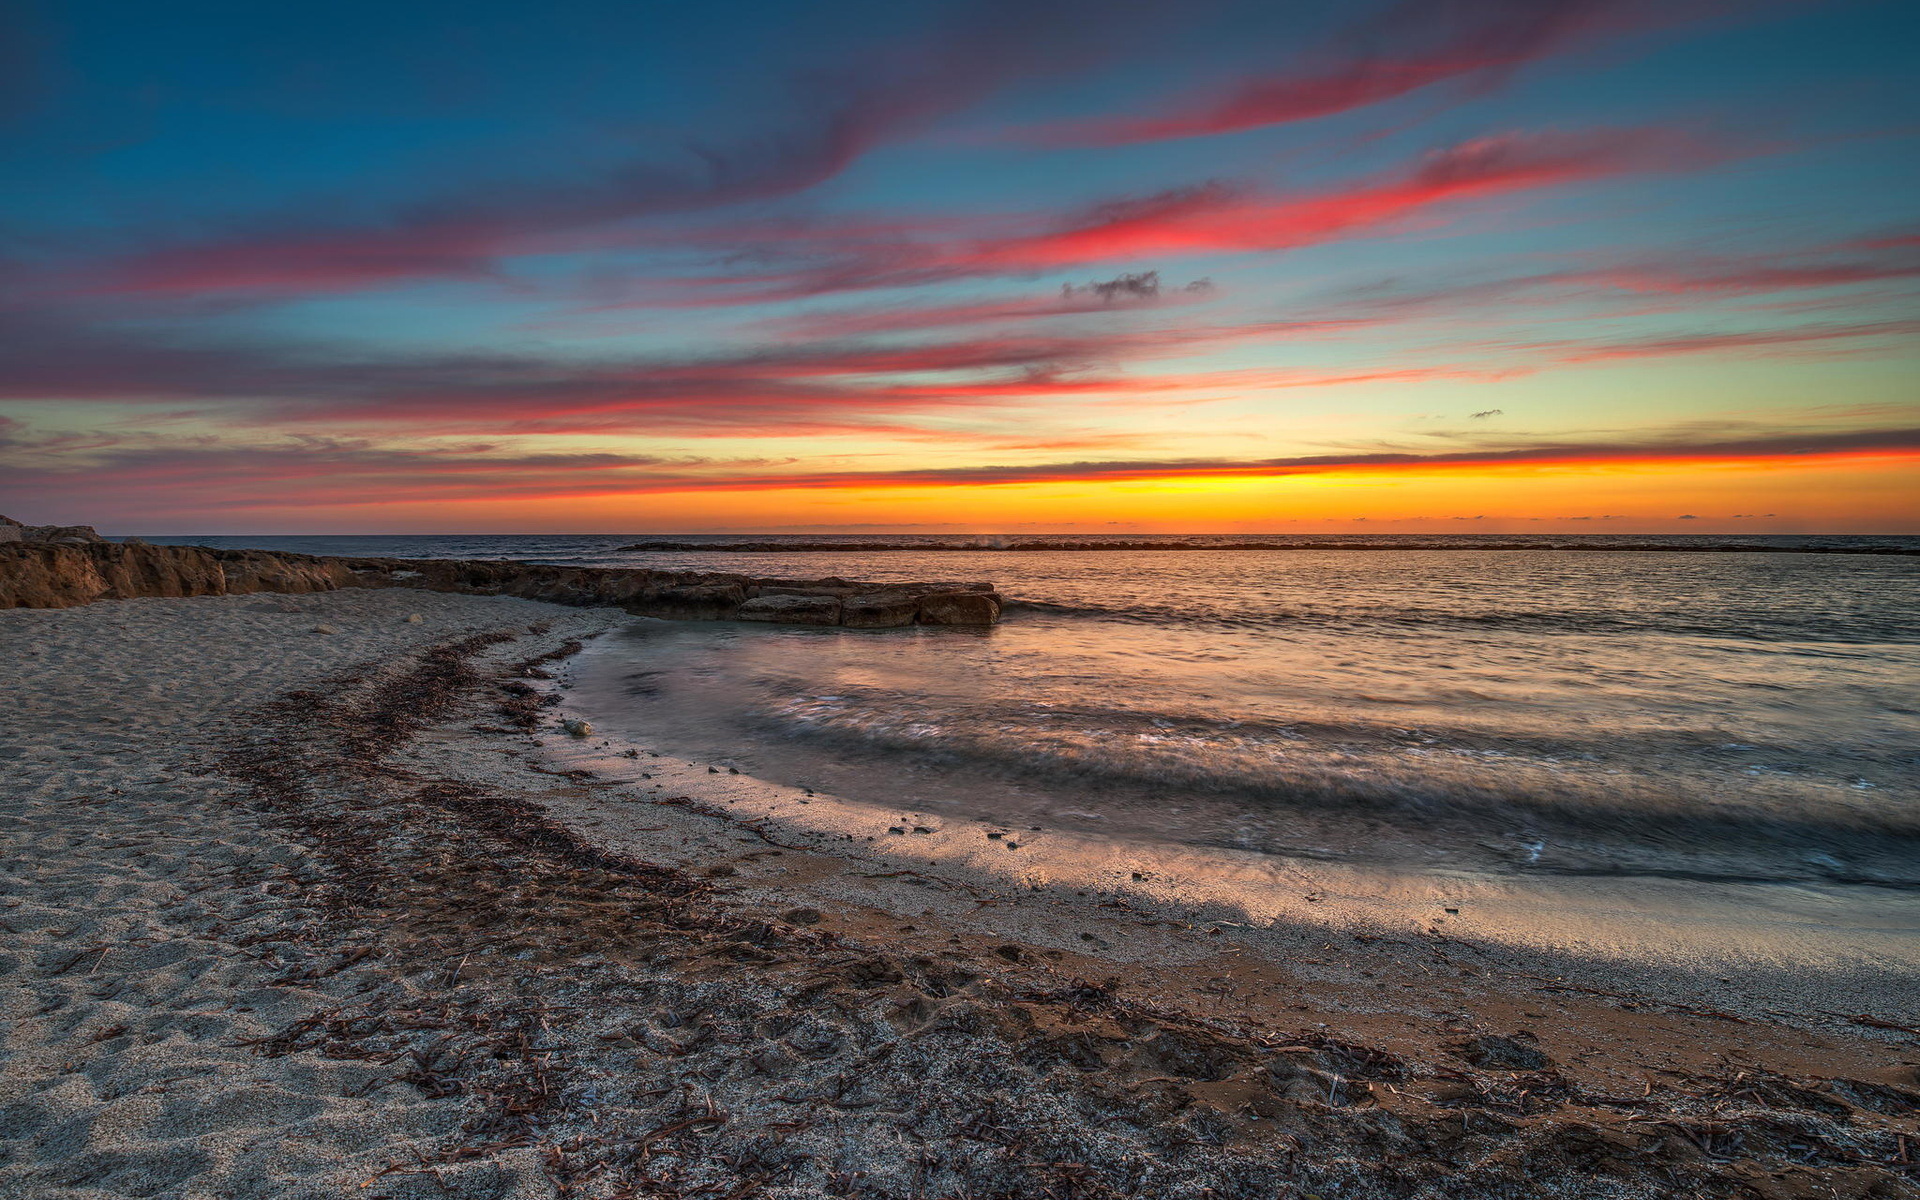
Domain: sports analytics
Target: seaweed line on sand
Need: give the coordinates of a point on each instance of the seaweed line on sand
(609, 1027)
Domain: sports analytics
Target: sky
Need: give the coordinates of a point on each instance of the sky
(976, 265)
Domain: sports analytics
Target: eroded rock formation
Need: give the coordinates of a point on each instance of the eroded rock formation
(38, 572)
(13, 531)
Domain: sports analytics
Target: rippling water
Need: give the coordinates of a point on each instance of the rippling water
(1731, 715)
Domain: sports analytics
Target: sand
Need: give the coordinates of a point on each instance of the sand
(291, 913)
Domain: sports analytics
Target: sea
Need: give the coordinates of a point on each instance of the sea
(1743, 710)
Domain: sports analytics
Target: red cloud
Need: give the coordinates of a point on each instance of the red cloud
(1214, 220)
(1831, 265)
(840, 112)
(312, 472)
(469, 241)
(1412, 45)
(1211, 219)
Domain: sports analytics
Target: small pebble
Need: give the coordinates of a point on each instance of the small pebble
(413, 618)
(325, 629)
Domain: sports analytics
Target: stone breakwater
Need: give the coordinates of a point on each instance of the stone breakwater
(62, 574)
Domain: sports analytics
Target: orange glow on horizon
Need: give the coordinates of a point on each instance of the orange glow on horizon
(1831, 493)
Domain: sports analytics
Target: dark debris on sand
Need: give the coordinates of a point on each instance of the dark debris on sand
(607, 1028)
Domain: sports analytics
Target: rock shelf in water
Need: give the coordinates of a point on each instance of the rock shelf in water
(65, 573)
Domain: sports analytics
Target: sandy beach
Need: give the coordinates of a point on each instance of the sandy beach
(316, 896)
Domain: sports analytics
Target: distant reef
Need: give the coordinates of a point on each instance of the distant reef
(1408, 542)
(64, 566)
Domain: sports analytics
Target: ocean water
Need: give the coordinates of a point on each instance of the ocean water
(1697, 708)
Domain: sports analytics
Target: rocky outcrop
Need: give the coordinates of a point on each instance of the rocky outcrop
(43, 574)
(13, 531)
(60, 574)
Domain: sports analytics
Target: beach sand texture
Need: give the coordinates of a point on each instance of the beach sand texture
(145, 897)
(300, 913)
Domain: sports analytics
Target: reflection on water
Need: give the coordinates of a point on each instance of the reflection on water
(1724, 715)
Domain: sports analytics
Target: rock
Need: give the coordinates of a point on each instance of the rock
(698, 602)
(74, 535)
(413, 618)
(878, 610)
(836, 588)
(802, 916)
(791, 610)
(135, 541)
(577, 727)
(79, 568)
(958, 608)
(46, 575)
(1520, 1052)
(325, 629)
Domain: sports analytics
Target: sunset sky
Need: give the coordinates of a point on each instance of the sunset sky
(1527, 265)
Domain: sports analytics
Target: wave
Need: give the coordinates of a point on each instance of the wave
(1285, 782)
(1748, 627)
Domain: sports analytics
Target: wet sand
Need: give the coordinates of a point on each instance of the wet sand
(313, 914)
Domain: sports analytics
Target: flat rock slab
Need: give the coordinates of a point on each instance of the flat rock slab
(791, 610)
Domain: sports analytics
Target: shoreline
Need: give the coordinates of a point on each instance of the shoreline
(1766, 950)
(538, 989)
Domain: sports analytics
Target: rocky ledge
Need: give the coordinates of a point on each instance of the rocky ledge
(40, 572)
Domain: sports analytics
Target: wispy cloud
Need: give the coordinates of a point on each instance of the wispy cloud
(1209, 219)
(827, 387)
(209, 476)
(1668, 345)
(839, 112)
(1680, 280)
(1125, 293)
(1402, 49)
